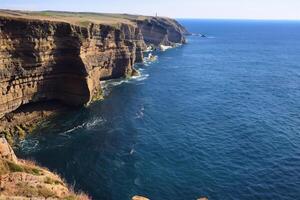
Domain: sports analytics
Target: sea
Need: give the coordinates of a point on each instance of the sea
(218, 117)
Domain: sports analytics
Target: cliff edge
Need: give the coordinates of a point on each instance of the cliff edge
(63, 56)
(60, 58)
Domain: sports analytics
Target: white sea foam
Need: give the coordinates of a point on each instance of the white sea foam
(132, 151)
(86, 125)
(140, 114)
(141, 77)
(150, 58)
(149, 49)
(164, 47)
(28, 145)
(113, 83)
(108, 85)
(95, 122)
(73, 129)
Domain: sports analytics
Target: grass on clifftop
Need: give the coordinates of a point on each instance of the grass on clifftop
(79, 18)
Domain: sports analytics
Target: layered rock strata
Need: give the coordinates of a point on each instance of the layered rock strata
(55, 58)
(162, 31)
(62, 57)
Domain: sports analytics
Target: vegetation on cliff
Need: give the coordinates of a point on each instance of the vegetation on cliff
(20, 179)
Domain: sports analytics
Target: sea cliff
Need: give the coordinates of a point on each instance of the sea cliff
(63, 56)
(52, 60)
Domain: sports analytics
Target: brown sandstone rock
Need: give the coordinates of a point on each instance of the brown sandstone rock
(139, 198)
(6, 151)
(59, 58)
(63, 59)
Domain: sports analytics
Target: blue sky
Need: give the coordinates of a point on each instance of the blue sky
(236, 9)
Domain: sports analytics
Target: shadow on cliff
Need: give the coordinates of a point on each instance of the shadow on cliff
(64, 76)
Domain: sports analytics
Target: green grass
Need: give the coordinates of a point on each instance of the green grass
(13, 167)
(84, 23)
(21, 132)
(79, 18)
(8, 136)
(71, 197)
(51, 181)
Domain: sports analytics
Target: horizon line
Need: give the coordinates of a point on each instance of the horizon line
(240, 19)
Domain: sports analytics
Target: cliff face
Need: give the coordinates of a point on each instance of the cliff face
(162, 31)
(61, 57)
(43, 59)
(55, 60)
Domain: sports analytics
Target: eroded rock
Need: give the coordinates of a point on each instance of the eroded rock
(43, 59)
(6, 152)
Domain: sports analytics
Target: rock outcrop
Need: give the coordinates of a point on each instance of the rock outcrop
(43, 61)
(63, 58)
(6, 152)
(20, 179)
(162, 31)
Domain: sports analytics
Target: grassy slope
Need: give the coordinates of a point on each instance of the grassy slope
(25, 179)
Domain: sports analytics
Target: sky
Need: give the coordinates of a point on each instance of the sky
(211, 9)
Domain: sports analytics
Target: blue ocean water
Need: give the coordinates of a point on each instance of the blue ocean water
(218, 117)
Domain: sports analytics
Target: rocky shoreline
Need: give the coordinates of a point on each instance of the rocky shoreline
(53, 61)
